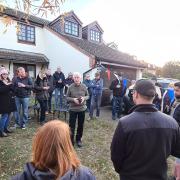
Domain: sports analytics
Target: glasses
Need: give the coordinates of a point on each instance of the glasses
(133, 91)
(4, 74)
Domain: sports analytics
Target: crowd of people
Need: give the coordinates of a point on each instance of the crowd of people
(142, 142)
(15, 96)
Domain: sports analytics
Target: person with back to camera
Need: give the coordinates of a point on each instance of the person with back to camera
(144, 139)
(53, 156)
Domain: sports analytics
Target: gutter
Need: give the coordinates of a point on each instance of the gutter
(121, 65)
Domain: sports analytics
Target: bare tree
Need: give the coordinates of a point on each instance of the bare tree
(34, 6)
(171, 69)
(30, 7)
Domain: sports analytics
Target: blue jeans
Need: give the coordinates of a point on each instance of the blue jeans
(4, 122)
(117, 106)
(24, 103)
(95, 103)
(58, 98)
(16, 117)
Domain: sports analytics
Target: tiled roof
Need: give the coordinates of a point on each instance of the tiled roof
(21, 16)
(100, 51)
(104, 53)
(16, 55)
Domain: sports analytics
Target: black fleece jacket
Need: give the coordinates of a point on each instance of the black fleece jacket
(142, 142)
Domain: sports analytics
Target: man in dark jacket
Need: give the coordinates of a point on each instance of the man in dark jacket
(23, 86)
(59, 86)
(97, 89)
(144, 139)
(88, 83)
(119, 89)
(175, 113)
(175, 108)
(50, 83)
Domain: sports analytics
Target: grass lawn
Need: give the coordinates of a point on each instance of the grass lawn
(15, 150)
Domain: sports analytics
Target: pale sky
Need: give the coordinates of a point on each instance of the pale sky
(148, 29)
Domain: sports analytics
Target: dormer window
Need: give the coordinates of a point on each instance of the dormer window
(71, 28)
(94, 35)
(26, 34)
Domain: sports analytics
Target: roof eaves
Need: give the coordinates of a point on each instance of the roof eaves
(19, 15)
(120, 63)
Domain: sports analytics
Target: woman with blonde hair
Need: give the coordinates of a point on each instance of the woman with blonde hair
(53, 156)
(41, 87)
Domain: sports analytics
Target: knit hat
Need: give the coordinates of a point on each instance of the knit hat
(145, 88)
(3, 71)
(97, 74)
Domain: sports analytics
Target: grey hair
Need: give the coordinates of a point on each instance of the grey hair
(20, 68)
(77, 74)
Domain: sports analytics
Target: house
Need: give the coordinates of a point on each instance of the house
(62, 42)
(150, 69)
(37, 46)
(112, 45)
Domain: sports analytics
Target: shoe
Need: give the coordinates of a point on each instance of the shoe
(47, 113)
(29, 118)
(23, 127)
(113, 118)
(89, 118)
(3, 134)
(17, 126)
(97, 117)
(79, 144)
(51, 112)
(8, 131)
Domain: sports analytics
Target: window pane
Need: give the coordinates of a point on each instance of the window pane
(27, 33)
(71, 28)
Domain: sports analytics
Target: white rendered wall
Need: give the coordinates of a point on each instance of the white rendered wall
(138, 74)
(9, 40)
(62, 54)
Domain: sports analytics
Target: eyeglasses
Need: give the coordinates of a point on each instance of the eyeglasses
(4, 74)
(133, 91)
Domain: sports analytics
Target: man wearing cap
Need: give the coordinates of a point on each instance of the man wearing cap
(144, 139)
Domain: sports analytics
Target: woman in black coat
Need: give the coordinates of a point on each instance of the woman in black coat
(41, 89)
(7, 102)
